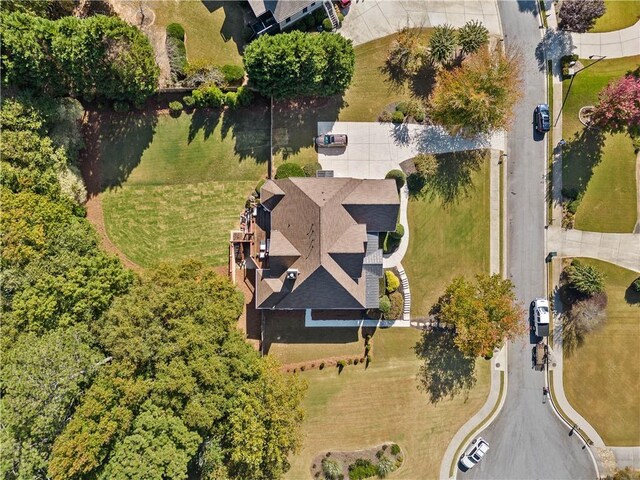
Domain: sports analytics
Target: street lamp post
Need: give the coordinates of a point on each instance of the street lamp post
(601, 57)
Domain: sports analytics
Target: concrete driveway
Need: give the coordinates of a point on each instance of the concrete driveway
(367, 20)
(375, 148)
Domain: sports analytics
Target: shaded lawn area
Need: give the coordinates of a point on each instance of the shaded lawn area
(174, 187)
(620, 14)
(601, 376)
(214, 30)
(447, 238)
(597, 165)
(360, 408)
(296, 123)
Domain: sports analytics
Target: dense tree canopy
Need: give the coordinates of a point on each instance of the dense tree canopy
(580, 15)
(484, 313)
(479, 96)
(298, 64)
(174, 342)
(618, 108)
(96, 57)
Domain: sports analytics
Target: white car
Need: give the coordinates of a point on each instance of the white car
(476, 451)
(541, 316)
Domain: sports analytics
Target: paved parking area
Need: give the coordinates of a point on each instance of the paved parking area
(367, 20)
(375, 148)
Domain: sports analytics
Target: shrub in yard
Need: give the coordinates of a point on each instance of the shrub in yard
(331, 469)
(397, 303)
(395, 449)
(340, 17)
(636, 285)
(399, 232)
(398, 176)
(319, 15)
(416, 110)
(442, 44)
(310, 169)
(289, 169)
(327, 25)
(385, 304)
(367, 349)
(585, 279)
(361, 469)
(175, 30)
(302, 368)
(231, 99)
(385, 116)
(379, 453)
(120, 107)
(309, 21)
(588, 314)
(321, 366)
(392, 281)
(397, 117)
(385, 467)
(341, 364)
(350, 361)
(580, 15)
(175, 107)
(426, 164)
(233, 74)
(245, 96)
(403, 107)
(210, 96)
(177, 54)
(472, 36)
(259, 185)
(188, 101)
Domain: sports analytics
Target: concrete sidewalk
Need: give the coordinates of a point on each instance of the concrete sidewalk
(620, 43)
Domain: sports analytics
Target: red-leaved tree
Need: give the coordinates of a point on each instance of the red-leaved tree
(619, 106)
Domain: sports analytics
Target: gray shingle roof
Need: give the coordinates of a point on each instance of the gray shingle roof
(281, 9)
(313, 220)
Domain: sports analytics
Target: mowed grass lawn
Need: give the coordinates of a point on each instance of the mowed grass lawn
(174, 191)
(361, 408)
(603, 171)
(215, 30)
(620, 14)
(601, 377)
(296, 124)
(447, 239)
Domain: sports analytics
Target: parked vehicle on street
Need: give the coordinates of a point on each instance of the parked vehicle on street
(332, 140)
(476, 452)
(541, 317)
(543, 119)
(344, 3)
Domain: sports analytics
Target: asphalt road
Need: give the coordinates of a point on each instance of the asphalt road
(527, 440)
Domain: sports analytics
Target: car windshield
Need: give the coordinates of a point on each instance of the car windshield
(544, 309)
(328, 139)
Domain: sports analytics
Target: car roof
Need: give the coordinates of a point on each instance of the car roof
(541, 302)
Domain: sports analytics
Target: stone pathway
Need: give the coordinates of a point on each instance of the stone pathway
(406, 311)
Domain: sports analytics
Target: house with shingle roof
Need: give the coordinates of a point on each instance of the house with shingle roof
(275, 15)
(322, 242)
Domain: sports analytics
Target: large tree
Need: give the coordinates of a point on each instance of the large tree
(298, 64)
(478, 97)
(99, 56)
(619, 106)
(174, 342)
(580, 15)
(406, 54)
(484, 313)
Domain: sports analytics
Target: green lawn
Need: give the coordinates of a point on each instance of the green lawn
(214, 30)
(447, 239)
(296, 123)
(360, 408)
(600, 166)
(601, 376)
(174, 187)
(620, 14)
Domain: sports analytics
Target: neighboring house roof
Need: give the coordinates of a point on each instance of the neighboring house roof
(319, 228)
(281, 9)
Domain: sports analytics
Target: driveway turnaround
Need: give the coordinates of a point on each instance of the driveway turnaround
(375, 148)
(366, 20)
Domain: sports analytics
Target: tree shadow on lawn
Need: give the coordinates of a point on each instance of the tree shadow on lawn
(234, 27)
(295, 122)
(580, 155)
(446, 372)
(631, 296)
(420, 84)
(203, 120)
(453, 179)
(250, 129)
(115, 143)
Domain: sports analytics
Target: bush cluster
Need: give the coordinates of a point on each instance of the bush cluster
(397, 304)
(289, 169)
(361, 469)
(176, 50)
(175, 30)
(233, 74)
(391, 280)
(398, 233)
(397, 117)
(310, 169)
(212, 96)
(175, 107)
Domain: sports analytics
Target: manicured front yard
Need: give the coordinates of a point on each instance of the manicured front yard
(620, 14)
(447, 239)
(599, 166)
(601, 375)
(361, 408)
(296, 124)
(174, 187)
(215, 31)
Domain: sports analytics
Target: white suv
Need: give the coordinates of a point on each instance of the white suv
(476, 452)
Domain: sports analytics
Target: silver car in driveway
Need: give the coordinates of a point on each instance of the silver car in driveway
(332, 140)
(476, 452)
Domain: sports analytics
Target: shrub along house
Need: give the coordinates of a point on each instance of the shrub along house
(318, 242)
(275, 15)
